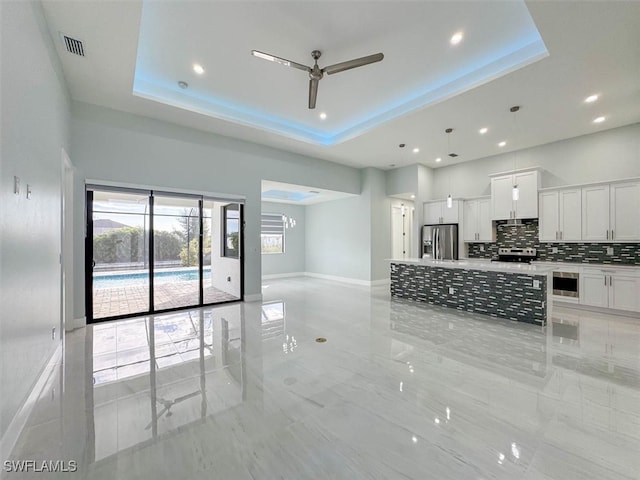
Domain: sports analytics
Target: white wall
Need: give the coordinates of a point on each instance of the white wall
(35, 121)
(351, 238)
(609, 155)
(418, 180)
(338, 238)
(374, 189)
(293, 258)
(119, 147)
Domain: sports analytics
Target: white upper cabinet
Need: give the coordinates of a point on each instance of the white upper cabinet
(595, 213)
(438, 212)
(560, 215)
(611, 213)
(477, 225)
(501, 197)
(504, 207)
(548, 207)
(624, 218)
(570, 218)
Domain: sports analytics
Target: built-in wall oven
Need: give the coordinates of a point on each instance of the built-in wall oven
(566, 284)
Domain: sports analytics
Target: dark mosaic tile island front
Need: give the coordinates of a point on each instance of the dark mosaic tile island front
(526, 235)
(499, 294)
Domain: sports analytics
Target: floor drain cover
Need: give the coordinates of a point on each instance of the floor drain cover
(321, 340)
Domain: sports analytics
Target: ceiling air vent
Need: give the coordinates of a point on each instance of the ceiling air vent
(453, 155)
(72, 45)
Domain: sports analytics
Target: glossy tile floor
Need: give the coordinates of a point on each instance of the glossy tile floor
(398, 391)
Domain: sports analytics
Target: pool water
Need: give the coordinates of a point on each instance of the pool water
(140, 279)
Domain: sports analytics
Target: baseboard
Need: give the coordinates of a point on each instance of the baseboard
(352, 281)
(10, 437)
(255, 297)
(274, 276)
(79, 322)
(333, 278)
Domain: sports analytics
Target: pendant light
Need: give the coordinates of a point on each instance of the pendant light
(453, 155)
(515, 191)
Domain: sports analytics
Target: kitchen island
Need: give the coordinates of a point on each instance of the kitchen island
(515, 291)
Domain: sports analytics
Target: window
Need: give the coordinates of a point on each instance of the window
(272, 233)
(231, 234)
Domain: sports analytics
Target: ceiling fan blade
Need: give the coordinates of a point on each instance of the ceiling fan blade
(357, 62)
(313, 93)
(281, 61)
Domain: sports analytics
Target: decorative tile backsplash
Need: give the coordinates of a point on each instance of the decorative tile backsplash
(498, 294)
(526, 235)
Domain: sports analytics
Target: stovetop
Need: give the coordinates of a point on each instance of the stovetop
(522, 255)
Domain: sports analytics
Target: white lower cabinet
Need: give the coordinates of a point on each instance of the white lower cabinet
(610, 289)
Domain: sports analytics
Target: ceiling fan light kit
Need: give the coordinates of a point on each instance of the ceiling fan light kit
(316, 73)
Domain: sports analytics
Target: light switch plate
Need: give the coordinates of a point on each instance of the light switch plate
(536, 284)
(16, 185)
(482, 248)
(554, 249)
(609, 250)
(452, 290)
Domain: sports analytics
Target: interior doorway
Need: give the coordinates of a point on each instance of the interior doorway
(401, 229)
(150, 251)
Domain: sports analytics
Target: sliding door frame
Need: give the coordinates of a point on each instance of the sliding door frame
(89, 263)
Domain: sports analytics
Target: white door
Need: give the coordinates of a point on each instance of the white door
(549, 218)
(485, 228)
(595, 213)
(527, 204)
(593, 290)
(397, 243)
(501, 197)
(432, 213)
(625, 211)
(470, 221)
(570, 221)
(624, 293)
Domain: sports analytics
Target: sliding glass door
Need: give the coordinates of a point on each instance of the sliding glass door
(120, 266)
(176, 247)
(153, 251)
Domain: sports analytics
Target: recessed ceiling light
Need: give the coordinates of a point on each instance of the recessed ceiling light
(182, 84)
(416, 150)
(456, 38)
(199, 69)
(591, 98)
(483, 130)
(438, 159)
(323, 116)
(502, 144)
(412, 196)
(599, 120)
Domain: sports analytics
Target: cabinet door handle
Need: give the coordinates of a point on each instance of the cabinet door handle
(556, 235)
(611, 234)
(607, 234)
(560, 234)
(605, 280)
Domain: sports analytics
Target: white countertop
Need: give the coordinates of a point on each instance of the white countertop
(579, 267)
(479, 264)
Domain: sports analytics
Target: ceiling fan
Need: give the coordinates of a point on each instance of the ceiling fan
(316, 73)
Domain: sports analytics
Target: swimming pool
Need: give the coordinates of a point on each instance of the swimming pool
(140, 279)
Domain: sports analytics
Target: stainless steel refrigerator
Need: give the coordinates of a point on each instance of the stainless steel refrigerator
(440, 242)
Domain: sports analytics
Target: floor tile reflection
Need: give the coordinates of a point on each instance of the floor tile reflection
(399, 390)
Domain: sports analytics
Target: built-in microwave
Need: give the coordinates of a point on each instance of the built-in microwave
(566, 284)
